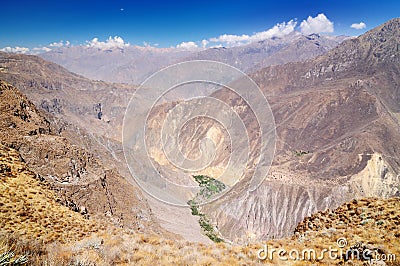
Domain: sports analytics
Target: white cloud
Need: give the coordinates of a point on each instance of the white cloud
(204, 43)
(279, 30)
(217, 46)
(150, 45)
(230, 39)
(116, 42)
(17, 50)
(358, 26)
(56, 44)
(59, 44)
(49, 47)
(187, 45)
(318, 24)
(42, 49)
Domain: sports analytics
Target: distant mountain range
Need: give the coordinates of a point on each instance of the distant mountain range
(134, 64)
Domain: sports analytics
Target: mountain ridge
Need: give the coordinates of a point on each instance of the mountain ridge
(80, 179)
(132, 64)
(350, 135)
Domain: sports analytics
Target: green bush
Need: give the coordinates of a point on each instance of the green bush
(209, 186)
(300, 153)
(193, 207)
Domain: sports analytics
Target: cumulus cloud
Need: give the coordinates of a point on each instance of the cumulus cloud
(230, 39)
(54, 45)
(358, 26)
(59, 44)
(318, 24)
(187, 45)
(279, 30)
(17, 50)
(116, 42)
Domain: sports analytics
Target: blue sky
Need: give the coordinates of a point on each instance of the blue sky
(168, 23)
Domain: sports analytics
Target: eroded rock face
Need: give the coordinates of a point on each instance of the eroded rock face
(377, 179)
(338, 136)
(82, 148)
(344, 116)
(94, 106)
(81, 179)
(277, 206)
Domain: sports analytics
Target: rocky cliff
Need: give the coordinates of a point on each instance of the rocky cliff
(338, 136)
(83, 180)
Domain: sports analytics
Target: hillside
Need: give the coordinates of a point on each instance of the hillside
(35, 225)
(32, 219)
(87, 114)
(368, 223)
(94, 105)
(252, 57)
(338, 136)
(30, 208)
(81, 180)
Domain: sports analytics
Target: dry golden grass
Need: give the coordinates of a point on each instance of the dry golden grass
(135, 249)
(30, 208)
(372, 222)
(34, 223)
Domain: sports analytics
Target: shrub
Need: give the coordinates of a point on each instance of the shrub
(7, 258)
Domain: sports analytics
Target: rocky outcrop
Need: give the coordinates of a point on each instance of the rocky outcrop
(353, 214)
(97, 107)
(377, 179)
(82, 180)
(273, 210)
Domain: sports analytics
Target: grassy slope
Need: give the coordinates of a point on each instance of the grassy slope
(30, 209)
